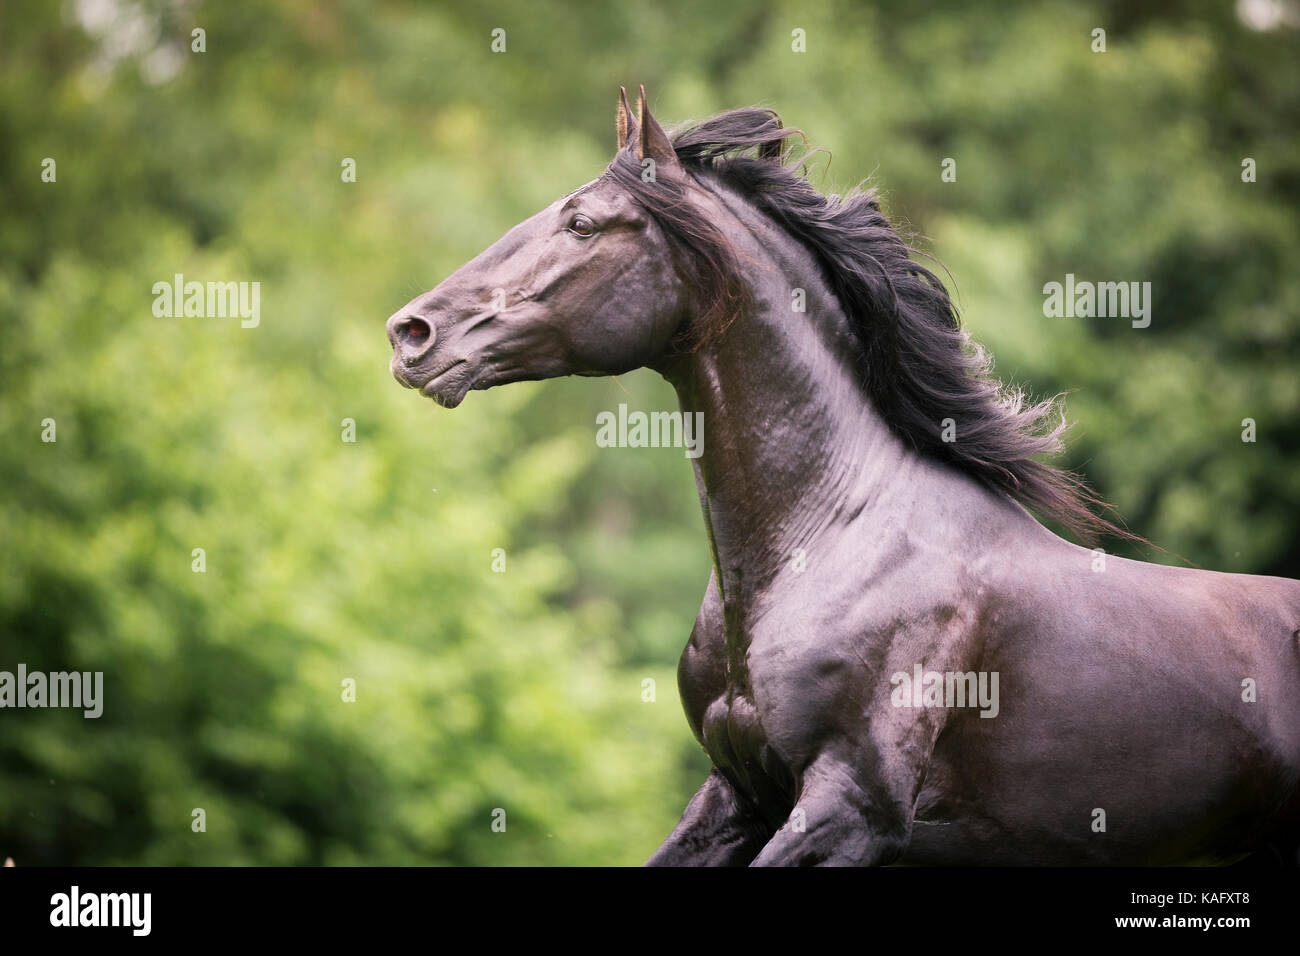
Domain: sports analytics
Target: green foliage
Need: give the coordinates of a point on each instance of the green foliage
(329, 561)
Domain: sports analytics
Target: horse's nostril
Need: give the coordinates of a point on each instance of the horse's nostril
(417, 331)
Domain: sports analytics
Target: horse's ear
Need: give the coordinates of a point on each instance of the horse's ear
(654, 141)
(627, 128)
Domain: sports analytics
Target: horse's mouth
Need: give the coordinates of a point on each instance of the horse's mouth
(449, 384)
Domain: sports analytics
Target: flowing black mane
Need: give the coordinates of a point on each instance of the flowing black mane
(919, 366)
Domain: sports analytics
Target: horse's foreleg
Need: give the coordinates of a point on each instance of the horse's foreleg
(837, 822)
(717, 829)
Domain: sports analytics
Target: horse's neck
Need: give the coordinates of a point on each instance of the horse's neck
(793, 449)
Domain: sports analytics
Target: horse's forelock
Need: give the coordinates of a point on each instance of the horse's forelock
(712, 265)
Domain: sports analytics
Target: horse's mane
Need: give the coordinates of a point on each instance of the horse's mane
(918, 365)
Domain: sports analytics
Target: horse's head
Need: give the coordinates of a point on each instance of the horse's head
(587, 286)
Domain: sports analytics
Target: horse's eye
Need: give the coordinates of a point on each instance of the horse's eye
(582, 226)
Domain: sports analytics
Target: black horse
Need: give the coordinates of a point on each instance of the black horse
(894, 662)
